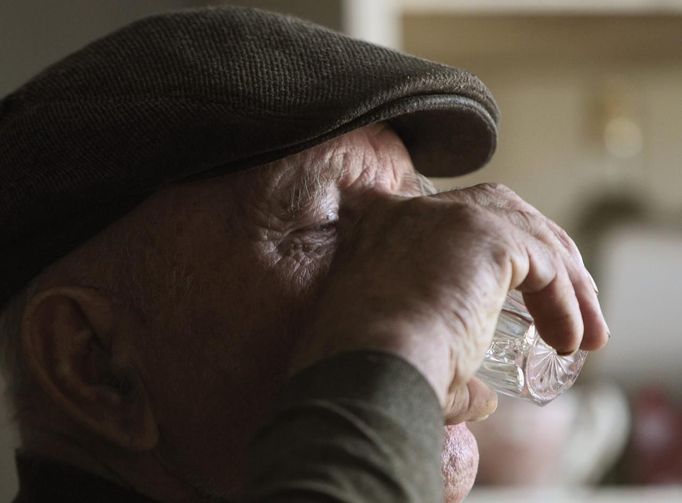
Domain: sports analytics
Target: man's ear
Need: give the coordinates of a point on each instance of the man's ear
(77, 347)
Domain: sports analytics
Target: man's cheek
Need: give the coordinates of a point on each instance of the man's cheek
(305, 264)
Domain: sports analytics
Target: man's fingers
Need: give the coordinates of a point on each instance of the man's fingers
(553, 306)
(596, 333)
(536, 256)
(557, 313)
(473, 402)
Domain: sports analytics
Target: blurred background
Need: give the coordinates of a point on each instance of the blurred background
(591, 134)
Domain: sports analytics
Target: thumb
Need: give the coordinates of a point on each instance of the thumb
(473, 402)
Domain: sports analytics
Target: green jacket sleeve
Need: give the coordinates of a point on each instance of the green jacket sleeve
(361, 426)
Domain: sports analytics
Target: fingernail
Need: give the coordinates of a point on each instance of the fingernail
(479, 419)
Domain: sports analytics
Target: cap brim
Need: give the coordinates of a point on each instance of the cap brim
(446, 136)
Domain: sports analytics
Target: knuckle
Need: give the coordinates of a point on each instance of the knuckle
(568, 242)
(469, 215)
(563, 236)
(524, 220)
(472, 213)
(501, 257)
(494, 187)
(557, 258)
(500, 253)
(500, 196)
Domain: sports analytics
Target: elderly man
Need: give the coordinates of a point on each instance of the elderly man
(223, 279)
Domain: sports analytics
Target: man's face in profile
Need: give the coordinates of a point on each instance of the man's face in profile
(236, 262)
(208, 289)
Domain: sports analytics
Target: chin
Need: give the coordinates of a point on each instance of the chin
(459, 462)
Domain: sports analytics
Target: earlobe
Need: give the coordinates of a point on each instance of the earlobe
(79, 352)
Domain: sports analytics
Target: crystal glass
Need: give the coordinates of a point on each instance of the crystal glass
(520, 364)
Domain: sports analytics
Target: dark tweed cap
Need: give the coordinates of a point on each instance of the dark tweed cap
(201, 93)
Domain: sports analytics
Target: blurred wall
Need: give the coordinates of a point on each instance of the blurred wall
(590, 134)
(35, 33)
(561, 81)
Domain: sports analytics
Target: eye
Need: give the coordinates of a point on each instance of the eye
(323, 228)
(318, 234)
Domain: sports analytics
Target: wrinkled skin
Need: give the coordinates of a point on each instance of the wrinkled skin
(459, 462)
(251, 277)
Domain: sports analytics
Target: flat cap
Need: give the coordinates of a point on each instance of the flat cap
(200, 93)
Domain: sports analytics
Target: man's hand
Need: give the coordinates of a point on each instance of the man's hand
(425, 278)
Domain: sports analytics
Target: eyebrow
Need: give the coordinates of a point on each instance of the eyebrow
(301, 184)
(302, 191)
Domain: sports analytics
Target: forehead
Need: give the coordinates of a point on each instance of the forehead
(373, 154)
(369, 157)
